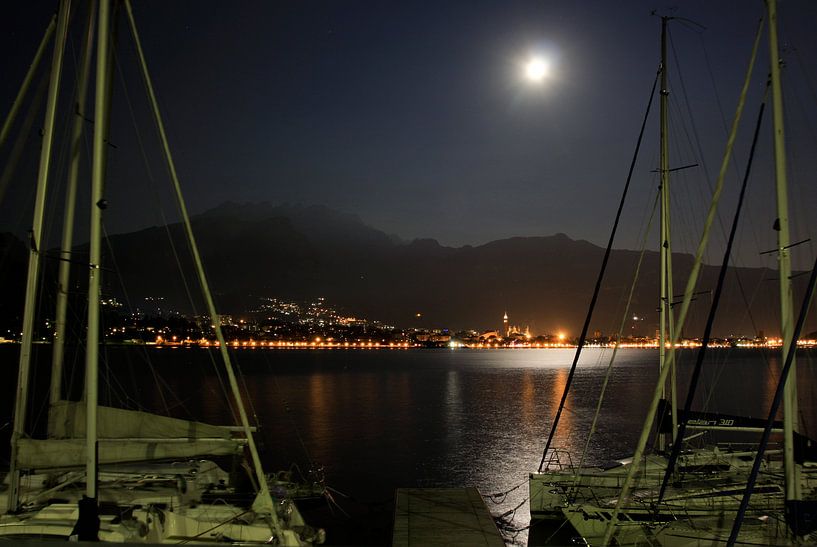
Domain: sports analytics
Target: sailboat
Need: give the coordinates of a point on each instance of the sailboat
(109, 473)
(696, 496)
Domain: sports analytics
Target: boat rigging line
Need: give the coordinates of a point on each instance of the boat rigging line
(263, 500)
(691, 165)
(621, 327)
(32, 69)
(223, 384)
(597, 289)
(789, 246)
(693, 383)
(499, 497)
(16, 152)
(793, 507)
(692, 281)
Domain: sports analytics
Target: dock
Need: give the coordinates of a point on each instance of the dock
(431, 517)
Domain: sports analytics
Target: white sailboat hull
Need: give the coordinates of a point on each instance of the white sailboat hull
(697, 509)
(152, 503)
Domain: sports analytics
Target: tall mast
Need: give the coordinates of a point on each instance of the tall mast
(36, 243)
(70, 206)
(665, 252)
(784, 263)
(94, 270)
(692, 280)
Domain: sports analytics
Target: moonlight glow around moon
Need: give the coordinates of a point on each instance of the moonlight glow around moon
(536, 69)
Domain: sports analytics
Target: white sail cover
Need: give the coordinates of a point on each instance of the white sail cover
(124, 436)
(66, 420)
(58, 453)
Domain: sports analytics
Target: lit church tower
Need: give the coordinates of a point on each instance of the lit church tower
(505, 328)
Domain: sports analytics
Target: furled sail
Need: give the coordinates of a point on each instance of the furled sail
(66, 420)
(124, 436)
(58, 453)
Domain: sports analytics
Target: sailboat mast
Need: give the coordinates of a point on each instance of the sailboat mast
(34, 253)
(784, 262)
(70, 206)
(94, 270)
(665, 251)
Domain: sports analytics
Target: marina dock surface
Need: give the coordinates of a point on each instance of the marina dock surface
(432, 517)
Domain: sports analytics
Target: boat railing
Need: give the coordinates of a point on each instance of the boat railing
(558, 460)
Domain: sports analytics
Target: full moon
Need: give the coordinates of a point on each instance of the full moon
(536, 69)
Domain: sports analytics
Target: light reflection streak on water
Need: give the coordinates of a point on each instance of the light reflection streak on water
(321, 401)
(383, 420)
(453, 409)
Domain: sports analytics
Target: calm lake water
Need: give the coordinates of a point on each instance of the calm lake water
(378, 420)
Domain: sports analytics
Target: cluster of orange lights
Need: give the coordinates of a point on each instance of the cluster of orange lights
(286, 344)
(322, 344)
(524, 345)
(775, 343)
(281, 344)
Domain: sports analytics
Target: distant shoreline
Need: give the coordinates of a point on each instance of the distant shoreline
(404, 346)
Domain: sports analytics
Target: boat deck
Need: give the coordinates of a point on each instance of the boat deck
(442, 517)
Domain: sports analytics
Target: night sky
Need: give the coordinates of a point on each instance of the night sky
(417, 117)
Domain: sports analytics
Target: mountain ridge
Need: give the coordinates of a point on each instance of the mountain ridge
(254, 250)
